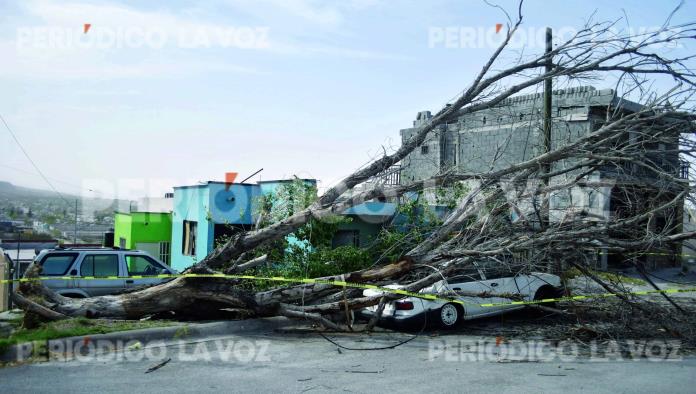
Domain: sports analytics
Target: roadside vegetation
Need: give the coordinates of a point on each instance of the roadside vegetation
(74, 327)
(309, 252)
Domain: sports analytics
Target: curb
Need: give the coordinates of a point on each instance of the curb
(68, 348)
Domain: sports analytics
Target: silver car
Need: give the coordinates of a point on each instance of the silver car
(87, 266)
(495, 289)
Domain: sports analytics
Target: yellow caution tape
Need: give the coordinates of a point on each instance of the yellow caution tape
(402, 292)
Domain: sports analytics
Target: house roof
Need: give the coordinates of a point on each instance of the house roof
(206, 184)
(288, 180)
(244, 184)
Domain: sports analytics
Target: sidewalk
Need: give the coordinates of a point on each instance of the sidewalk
(63, 347)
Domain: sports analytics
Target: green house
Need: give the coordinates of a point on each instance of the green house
(147, 231)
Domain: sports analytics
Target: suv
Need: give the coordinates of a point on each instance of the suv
(96, 263)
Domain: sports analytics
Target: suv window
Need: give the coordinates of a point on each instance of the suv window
(142, 265)
(99, 265)
(57, 264)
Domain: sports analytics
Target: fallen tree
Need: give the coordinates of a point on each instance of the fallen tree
(631, 142)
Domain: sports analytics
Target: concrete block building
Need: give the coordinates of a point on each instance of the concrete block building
(512, 132)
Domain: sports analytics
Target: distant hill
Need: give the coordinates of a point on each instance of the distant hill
(9, 190)
(14, 192)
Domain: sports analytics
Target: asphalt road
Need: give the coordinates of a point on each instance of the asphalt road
(296, 363)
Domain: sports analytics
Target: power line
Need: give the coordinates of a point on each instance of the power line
(26, 154)
(35, 174)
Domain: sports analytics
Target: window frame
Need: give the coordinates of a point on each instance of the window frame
(189, 237)
(70, 265)
(355, 238)
(165, 251)
(146, 257)
(87, 255)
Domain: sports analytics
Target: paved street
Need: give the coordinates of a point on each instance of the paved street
(274, 362)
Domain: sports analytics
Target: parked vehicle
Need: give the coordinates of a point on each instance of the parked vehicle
(99, 263)
(527, 287)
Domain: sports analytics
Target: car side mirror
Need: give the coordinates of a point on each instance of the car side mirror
(73, 272)
(163, 271)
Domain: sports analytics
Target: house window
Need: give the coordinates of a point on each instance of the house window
(424, 149)
(684, 170)
(592, 199)
(188, 241)
(562, 199)
(346, 238)
(122, 243)
(164, 251)
(484, 120)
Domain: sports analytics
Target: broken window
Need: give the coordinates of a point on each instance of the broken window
(188, 241)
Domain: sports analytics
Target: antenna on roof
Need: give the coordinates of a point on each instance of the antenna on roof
(251, 176)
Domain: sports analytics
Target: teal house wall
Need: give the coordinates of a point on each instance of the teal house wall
(216, 208)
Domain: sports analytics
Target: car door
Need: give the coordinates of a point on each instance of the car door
(478, 283)
(140, 265)
(97, 272)
(501, 282)
(468, 286)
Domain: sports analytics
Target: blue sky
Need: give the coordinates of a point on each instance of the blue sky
(327, 89)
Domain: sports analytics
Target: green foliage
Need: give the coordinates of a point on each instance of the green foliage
(452, 195)
(75, 327)
(322, 261)
(308, 252)
(49, 219)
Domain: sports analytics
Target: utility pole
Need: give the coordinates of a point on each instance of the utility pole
(75, 234)
(13, 268)
(546, 211)
(19, 241)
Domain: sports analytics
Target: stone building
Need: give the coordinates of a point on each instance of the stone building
(512, 132)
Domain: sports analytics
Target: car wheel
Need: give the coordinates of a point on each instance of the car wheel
(545, 292)
(450, 316)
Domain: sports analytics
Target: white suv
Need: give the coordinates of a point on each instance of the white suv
(86, 266)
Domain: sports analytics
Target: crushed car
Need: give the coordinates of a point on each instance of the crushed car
(473, 290)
